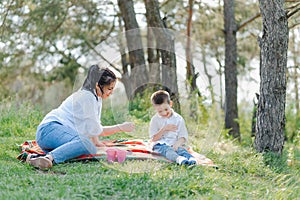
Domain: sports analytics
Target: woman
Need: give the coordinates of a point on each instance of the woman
(73, 128)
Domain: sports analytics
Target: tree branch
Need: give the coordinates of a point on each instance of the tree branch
(289, 10)
(99, 54)
(4, 19)
(55, 28)
(291, 1)
(103, 38)
(294, 25)
(292, 6)
(164, 3)
(293, 67)
(290, 14)
(247, 21)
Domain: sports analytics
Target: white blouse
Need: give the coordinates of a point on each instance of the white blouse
(81, 111)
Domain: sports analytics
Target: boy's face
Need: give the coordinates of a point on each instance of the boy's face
(164, 109)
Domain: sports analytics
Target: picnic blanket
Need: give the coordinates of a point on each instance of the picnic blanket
(136, 149)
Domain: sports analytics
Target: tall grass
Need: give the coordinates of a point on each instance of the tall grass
(18, 119)
(242, 173)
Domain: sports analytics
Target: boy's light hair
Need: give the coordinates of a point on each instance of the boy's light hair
(160, 97)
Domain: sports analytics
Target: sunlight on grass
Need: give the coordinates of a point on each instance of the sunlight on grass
(136, 166)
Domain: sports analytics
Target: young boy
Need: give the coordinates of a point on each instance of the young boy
(168, 131)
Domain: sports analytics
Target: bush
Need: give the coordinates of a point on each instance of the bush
(140, 106)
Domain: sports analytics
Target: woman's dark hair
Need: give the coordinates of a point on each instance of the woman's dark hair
(96, 75)
(107, 77)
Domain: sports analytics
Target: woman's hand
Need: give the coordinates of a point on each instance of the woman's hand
(100, 144)
(126, 126)
(97, 142)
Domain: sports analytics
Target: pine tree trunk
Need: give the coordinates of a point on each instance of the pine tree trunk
(231, 109)
(190, 68)
(209, 77)
(271, 105)
(153, 57)
(122, 48)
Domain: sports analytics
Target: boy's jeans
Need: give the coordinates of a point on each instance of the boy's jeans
(62, 142)
(170, 153)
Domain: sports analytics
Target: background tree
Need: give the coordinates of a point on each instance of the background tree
(293, 77)
(292, 109)
(208, 33)
(191, 75)
(138, 75)
(271, 104)
(231, 109)
(165, 44)
(47, 40)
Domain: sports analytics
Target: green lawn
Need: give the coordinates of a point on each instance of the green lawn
(242, 173)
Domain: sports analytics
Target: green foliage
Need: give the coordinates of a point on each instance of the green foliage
(18, 119)
(108, 116)
(292, 128)
(43, 35)
(204, 116)
(69, 71)
(245, 122)
(140, 107)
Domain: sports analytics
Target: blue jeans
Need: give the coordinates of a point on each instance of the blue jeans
(170, 153)
(62, 142)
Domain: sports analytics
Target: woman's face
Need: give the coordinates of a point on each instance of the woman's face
(107, 90)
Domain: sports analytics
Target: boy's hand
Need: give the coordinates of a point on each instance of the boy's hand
(126, 126)
(170, 127)
(176, 145)
(179, 143)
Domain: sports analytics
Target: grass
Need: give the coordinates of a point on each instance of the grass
(242, 173)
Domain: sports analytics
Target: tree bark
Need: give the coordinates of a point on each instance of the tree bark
(190, 68)
(138, 75)
(231, 109)
(153, 57)
(271, 105)
(122, 48)
(209, 77)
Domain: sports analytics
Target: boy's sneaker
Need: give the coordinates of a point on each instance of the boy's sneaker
(182, 160)
(185, 162)
(192, 161)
